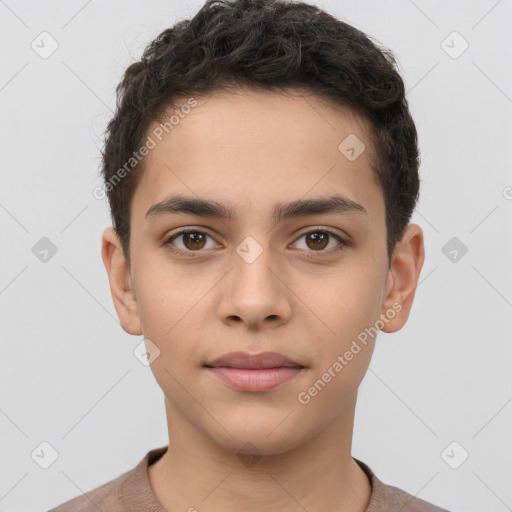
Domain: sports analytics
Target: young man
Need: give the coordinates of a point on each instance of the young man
(261, 169)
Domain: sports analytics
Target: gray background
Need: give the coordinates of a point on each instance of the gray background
(68, 376)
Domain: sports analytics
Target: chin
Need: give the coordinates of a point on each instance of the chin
(259, 439)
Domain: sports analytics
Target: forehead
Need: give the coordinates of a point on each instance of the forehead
(253, 148)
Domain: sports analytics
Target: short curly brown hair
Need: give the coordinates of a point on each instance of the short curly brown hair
(271, 45)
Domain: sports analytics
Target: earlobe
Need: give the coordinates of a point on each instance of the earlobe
(121, 286)
(402, 280)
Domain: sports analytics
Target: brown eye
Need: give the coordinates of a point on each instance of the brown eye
(196, 240)
(319, 240)
(188, 242)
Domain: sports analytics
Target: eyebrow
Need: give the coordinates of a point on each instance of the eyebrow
(179, 204)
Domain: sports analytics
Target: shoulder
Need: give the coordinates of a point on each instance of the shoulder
(104, 497)
(387, 498)
(407, 502)
(130, 491)
(121, 493)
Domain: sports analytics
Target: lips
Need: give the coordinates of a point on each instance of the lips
(245, 360)
(254, 372)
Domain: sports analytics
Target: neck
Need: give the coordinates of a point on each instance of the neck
(197, 474)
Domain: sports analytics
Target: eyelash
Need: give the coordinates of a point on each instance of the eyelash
(343, 244)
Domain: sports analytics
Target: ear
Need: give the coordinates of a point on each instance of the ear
(120, 280)
(402, 279)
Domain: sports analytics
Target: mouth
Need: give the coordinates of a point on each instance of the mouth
(254, 372)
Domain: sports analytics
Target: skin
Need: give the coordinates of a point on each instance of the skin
(300, 297)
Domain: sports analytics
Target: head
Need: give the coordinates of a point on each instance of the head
(280, 137)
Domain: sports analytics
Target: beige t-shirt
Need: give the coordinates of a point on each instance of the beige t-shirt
(131, 492)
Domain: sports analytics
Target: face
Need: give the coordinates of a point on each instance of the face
(305, 283)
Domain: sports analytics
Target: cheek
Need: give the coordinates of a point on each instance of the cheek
(174, 312)
(344, 349)
(326, 395)
(164, 297)
(343, 357)
(351, 304)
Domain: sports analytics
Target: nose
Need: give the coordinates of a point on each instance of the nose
(255, 294)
